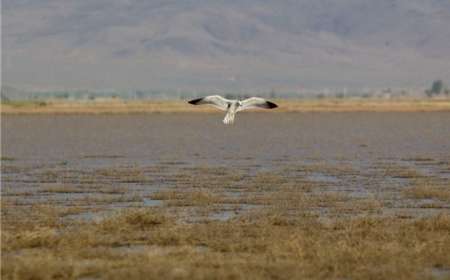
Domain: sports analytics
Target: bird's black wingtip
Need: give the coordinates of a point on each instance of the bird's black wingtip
(195, 101)
(271, 105)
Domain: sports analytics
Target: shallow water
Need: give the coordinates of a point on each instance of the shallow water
(361, 154)
(256, 139)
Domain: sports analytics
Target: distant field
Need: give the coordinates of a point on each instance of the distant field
(125, 107)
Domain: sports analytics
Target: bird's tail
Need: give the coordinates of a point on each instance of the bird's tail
(229, 117)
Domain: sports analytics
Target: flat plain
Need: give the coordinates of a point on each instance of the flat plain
(119, 106)
(315, 195)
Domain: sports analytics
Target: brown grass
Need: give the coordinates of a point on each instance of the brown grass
(148, 244)
(279, 226)
(323, 105)
(396, 171)
(182, 198)
(425, 191)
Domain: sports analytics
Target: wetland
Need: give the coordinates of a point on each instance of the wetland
(314, 195)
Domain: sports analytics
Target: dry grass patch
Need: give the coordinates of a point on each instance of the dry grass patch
(126, 107)
(266, 244)
(187, 198)
(125, 175)
(60, 188)
(402, 172)
(327, 169)
(425, 191)
(280, 227)
(5, 158)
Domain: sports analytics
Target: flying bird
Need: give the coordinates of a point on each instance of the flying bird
(233, 106)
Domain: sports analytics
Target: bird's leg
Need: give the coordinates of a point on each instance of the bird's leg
(226, 120)
(229, 117)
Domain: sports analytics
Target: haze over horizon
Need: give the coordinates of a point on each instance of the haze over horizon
(224, 45)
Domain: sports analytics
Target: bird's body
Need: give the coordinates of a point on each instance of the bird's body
(233, 106)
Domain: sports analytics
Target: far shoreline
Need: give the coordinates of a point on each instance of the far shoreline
(118, 106)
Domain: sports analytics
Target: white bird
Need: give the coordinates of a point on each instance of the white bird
(233, 106)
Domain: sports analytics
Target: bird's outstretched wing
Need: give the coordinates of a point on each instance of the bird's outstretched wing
(256, 102)
(214, 100)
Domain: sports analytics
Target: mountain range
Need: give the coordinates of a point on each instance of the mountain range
(227, 45)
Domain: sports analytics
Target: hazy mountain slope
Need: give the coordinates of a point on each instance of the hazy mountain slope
(226, 44)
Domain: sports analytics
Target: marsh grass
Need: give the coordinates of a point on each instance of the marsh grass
(82, 188)
(5, 158)
(60, 188)
(183, 198)
(403, 172)
(426, 191)
(124, 175)
(148, 243)
(222, 224)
